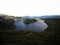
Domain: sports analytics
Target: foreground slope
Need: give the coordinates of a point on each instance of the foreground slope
(50, 36)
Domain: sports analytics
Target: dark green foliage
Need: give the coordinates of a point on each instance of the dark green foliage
(6, 23)
(28, 20)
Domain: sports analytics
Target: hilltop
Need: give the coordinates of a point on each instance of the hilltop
(6, 22)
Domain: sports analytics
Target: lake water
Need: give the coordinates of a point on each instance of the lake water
(38, 26)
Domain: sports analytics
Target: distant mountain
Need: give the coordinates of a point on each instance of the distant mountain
(53, 16)
(27, 16)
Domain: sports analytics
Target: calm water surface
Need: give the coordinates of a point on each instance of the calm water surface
(38, 26)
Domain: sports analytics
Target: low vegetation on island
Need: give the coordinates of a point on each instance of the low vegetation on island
(29, 20)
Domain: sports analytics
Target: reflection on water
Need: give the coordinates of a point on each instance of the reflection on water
(38, 26)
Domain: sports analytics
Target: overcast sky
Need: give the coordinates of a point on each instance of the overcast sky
(30, 7)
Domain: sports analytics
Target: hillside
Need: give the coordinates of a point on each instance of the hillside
(6, 22)
(51, 36)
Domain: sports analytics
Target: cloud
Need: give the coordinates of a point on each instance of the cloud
(31, 8)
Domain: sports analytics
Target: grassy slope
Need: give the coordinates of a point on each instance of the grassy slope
(49, 37)
(6, 22)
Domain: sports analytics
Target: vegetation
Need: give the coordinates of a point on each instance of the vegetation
(6, 22)
(28, 20)
(51, 36)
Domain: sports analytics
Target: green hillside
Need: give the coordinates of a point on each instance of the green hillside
(6, 22)
(51, 36)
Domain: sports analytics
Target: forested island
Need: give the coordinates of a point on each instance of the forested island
(29, 20)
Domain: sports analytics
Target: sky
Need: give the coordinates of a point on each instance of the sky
(30, 7)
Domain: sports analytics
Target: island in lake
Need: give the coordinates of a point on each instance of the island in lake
(29, 20)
